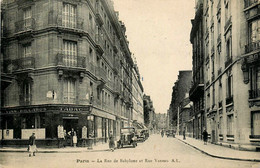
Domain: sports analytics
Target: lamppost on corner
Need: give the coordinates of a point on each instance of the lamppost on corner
(90, 119)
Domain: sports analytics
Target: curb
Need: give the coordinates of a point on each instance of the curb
(19, 151)
(220, 157)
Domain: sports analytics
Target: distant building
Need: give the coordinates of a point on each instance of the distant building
(161, 121)
(179, 93)
(149, 113)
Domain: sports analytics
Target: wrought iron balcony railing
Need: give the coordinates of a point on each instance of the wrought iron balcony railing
(69, 97)
(73, 61)
(25, 25)
(252, 46)
(249, 3)
(23, 63)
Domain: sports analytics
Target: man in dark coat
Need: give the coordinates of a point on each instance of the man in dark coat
(32, 145)
(205, 137)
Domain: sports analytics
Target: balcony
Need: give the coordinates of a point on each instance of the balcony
(23, 63)
(67, 23)
(228, 62)
(196, 90)
(249, 3)
(252, 46)
(69, 97)
(228, 24)
(254, 94)
(71, 61)
(117, 89)
(25, 25)
(229, 100)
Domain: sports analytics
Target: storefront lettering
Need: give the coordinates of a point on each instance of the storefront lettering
(25, 110)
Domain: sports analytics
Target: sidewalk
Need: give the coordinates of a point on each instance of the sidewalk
(220, 151)
(97, 148)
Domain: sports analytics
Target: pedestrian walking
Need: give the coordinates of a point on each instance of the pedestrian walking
(162, 133)
(184, 137)
(111, 142)
(205, 136)
(32, 145)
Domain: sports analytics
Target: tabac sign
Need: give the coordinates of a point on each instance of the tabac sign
(45, 108)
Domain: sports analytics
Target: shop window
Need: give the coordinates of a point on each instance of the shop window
(69, 91)
(69, 15)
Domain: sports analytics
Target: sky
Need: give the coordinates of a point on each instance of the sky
(159, 37)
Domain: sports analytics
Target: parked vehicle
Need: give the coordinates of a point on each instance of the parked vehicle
(170, 133)
(140, 135)
(127, 137)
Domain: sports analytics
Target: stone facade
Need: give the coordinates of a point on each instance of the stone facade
(70, 66)
(231, 71)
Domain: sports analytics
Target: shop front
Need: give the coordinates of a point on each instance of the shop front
(51, 124)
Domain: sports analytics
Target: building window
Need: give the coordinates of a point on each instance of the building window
(230, 124)
(229, 49)
(70, 53)
(27, 50)
(26, 95)
(254, 82)
(69, 15)
(27, 16)
(213, 95)
(229, 87)
(91, 21)
(221, 125)
(254, 35)
(69, 91)
(255, 123)
(91, 58)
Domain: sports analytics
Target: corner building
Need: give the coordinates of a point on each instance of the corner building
(70, 66)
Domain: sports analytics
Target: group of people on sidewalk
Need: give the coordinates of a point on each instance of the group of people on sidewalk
(204, 135)
(32, 149)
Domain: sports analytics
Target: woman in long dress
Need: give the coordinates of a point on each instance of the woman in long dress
(75, 139)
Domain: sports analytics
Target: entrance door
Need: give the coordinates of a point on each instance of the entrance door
(68, 124)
